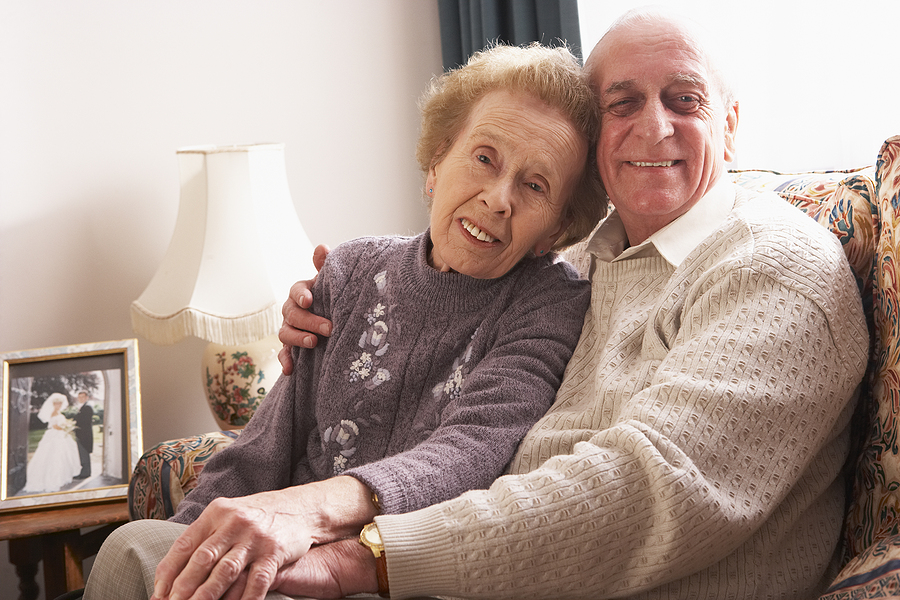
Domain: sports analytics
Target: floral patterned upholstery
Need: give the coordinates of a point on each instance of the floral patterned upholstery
(862, 208)
(874, 573)
(168, 471)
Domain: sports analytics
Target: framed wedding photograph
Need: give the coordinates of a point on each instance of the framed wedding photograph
(70, 424)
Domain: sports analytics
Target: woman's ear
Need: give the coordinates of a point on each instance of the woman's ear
(430, 181)
(546, 243)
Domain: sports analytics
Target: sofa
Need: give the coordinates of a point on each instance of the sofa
(862, 208)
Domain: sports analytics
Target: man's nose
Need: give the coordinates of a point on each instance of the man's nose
(654, 122)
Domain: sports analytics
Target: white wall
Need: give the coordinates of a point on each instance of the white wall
(817, 78)
(96, 96)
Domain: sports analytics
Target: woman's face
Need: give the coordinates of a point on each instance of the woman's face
(501, 189)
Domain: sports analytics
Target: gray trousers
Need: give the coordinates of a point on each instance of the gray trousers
(126, 564)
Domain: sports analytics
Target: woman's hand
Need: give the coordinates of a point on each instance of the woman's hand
(300, 325)
(244, 542)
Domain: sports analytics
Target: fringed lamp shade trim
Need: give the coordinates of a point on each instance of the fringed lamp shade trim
(236, 249)
(228, 331)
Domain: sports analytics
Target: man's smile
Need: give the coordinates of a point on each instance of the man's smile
(664, 163)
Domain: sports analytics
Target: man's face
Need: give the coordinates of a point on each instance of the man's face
(665, 134)
(82, 398)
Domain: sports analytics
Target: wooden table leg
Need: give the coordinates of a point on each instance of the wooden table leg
(25, 553)
(54, 536)
(63, 570)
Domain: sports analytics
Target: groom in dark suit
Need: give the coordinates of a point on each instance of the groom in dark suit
(84, 435)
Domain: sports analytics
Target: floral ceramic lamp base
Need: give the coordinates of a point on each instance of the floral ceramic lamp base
(237, 378)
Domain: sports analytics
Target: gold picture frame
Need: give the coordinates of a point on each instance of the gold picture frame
(55, 403)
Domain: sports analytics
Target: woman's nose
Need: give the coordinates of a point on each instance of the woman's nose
(498, 198)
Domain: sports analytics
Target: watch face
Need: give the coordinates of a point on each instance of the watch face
(371, 535)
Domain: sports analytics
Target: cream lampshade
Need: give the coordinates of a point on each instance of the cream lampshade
(237, 248)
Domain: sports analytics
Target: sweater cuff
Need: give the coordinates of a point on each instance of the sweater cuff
(421, 559)
(391, 494)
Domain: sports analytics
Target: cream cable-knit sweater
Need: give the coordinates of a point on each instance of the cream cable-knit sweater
(695, 447)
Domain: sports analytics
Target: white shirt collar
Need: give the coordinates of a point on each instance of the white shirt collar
(674, 241)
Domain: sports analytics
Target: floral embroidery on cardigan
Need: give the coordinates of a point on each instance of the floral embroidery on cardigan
(453, 385)
(345, 435)
(373, 343)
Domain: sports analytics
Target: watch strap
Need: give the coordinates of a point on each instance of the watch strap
(381, 571)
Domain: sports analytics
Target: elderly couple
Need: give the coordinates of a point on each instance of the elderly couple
(693, 448)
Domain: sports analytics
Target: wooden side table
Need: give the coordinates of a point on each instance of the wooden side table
(53, 535)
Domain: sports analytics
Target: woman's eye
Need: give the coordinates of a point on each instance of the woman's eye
(484, 159)
(536, 187)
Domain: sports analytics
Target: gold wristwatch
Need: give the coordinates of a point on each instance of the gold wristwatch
(371, 539)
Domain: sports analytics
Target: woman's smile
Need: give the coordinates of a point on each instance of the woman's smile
(478, 234)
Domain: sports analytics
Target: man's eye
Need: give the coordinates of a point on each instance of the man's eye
(621, 108)
(686, 103)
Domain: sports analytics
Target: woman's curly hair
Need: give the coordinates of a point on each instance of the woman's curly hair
(552, 75)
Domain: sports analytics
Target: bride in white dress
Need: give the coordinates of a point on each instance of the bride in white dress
(55, 462)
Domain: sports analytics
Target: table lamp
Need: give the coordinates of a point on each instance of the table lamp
(237, 248)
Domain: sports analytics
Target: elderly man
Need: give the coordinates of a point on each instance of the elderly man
(697, 441)
(696, 444)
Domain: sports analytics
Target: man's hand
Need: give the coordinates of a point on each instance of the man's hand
(300, 325)
(333, 570)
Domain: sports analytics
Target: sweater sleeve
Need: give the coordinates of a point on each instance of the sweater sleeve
(502, 397)
(270, 453)
(256, 462)
(733, 438)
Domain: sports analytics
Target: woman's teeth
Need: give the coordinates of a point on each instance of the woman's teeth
(477, 233)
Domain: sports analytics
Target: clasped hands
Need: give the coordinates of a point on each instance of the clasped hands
(291, 541)
(245, 547)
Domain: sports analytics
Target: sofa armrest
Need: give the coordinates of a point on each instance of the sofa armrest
(874, 573)
(168, 471)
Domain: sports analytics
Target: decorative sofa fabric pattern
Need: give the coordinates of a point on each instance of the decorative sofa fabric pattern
(862, 208)
(168, 471)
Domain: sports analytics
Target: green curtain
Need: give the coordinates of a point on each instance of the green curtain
(469, 25)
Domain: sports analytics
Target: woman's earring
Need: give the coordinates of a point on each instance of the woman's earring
(430, 190)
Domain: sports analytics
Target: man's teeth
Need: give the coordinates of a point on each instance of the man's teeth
(666, 163)
(476, 233)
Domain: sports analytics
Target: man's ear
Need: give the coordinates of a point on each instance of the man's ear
(731, 123)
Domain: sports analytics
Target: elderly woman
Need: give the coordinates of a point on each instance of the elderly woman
(447, 347)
